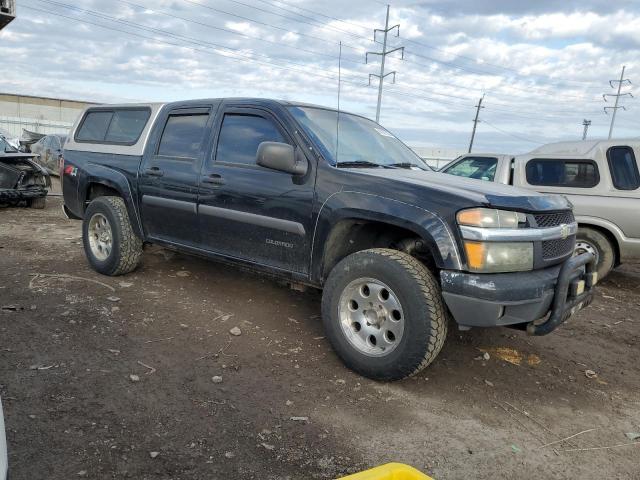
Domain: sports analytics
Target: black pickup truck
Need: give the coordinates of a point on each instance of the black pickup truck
(329, 200)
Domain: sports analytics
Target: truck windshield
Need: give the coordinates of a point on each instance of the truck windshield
(350, 140)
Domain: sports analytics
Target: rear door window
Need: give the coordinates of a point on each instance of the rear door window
(481, 168)
(623, 167)
(240, 136)
(562, 173)
(183, 134)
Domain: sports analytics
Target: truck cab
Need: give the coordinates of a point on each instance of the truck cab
(333, 201)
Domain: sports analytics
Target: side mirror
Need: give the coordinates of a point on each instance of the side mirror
(281, 157)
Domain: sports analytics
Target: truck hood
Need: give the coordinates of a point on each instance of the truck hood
(479, 191)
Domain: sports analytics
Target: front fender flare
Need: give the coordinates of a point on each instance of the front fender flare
(367, 206)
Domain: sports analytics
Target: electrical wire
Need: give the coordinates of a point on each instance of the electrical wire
(235, 32)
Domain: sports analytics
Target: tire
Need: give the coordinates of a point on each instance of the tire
(38, 203)
(591, 240)
(123, 252)
(412, 289)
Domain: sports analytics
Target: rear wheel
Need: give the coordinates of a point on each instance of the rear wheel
(592, 241)
(383, 314)
(110, 244)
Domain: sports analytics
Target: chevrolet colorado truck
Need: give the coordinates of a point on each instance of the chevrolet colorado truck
(329, 200)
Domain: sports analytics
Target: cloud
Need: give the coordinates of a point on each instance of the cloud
(543, 65)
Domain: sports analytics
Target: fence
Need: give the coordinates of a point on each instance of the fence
(15, 125)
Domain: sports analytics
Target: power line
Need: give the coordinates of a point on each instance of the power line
(324, 25)
(234, 32)
(237, 2)
(244, 57)
(183, 38)
(383, 56)
(265, 24)
(207, 51)
(586, 123)
(319, 13)
(475, 122)
(511, 134)
(617, 96)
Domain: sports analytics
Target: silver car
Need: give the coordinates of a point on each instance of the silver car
(600, 177)
(49, 150)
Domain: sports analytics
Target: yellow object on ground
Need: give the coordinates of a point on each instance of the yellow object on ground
(390, 471)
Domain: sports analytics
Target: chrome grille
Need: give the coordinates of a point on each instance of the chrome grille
(557, 248)
(545, 220)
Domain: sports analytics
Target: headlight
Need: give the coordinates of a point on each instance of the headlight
(495, 256)
(490, 218)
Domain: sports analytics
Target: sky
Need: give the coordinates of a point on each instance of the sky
(541, 65)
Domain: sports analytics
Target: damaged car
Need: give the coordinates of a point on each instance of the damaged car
(22, 180)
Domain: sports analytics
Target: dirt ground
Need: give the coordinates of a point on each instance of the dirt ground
(286, 408)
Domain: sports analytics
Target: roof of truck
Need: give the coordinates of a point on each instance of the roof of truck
(581, 147)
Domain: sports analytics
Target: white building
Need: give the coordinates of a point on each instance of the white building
(37, 114)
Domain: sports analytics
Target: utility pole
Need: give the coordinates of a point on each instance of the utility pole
(586, 124)
(475, 122)
(383, 55)
(617, 95)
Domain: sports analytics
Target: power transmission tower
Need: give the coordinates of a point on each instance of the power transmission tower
(383, 55)
(617, 95)
(586, 123)
(475, 122)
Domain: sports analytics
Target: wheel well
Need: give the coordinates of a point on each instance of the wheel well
(96, 190)
(352, 235)
(610, 236)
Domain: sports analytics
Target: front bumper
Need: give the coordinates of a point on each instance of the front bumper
(538, 301)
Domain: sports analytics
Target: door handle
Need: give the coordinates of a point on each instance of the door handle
(154, 172)
(214, 178)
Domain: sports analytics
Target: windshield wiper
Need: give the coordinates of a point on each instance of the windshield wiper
(359, 163)
(406, 165)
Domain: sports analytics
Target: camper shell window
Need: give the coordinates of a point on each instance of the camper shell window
(623, 167)
(121, 126)
(551, 172)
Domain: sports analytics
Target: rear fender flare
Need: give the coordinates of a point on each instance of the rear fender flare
(109, 177)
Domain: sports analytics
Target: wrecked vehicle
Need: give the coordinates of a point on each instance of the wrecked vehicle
(49, 151)
(329, 200)
(22, 180)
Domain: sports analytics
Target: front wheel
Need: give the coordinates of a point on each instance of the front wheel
(383, 314)
(110, 243)
(592, 241)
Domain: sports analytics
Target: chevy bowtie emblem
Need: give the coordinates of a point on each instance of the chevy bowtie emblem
(564, 231)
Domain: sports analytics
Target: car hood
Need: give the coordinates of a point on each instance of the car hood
(479, 191)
